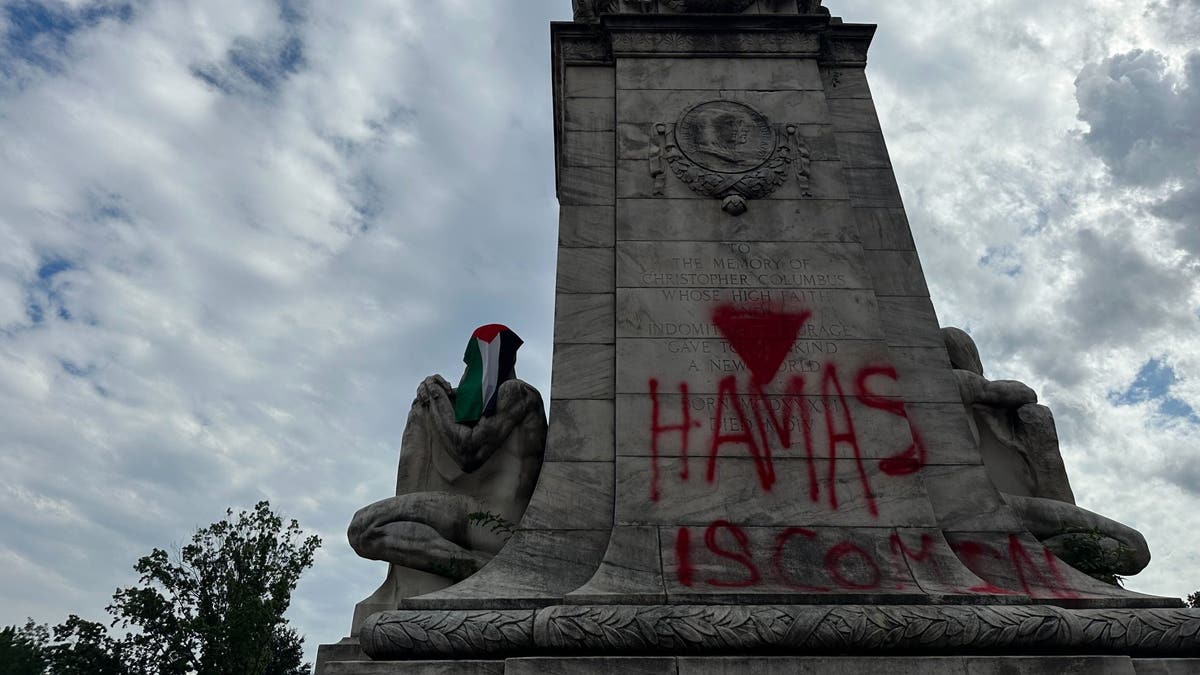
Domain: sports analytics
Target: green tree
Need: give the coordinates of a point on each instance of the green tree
(214, 608)
(1193, 600)
(22, 650)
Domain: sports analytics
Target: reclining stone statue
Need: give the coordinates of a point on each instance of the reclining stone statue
(1019, 445)
(469, 460)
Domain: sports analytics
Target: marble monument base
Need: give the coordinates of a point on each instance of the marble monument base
(776, 665)
(779, 638)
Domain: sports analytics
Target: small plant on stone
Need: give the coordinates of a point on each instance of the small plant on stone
(494, 522)
(1086, 551)
(456, 568)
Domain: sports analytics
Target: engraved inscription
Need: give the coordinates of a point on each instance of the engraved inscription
(737, 265)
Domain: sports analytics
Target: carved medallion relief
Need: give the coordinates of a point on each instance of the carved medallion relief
(730, 151)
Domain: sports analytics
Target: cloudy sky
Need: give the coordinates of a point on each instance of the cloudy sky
(235, 234)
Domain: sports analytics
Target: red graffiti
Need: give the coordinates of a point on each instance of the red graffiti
(971, 553)
(1024, 567)
(748, 421)
(783, 425)
(899, 549)
(912, 458)
(727, 391)
(830, 381)
(761, 337)
(833, 560)
(656, 428)
(741, 557)
(683, 556)
(855, 566)
(777, 559)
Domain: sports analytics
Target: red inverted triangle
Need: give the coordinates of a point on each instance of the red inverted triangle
(760, 337)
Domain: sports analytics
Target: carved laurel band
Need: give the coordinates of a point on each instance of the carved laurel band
(685, 629)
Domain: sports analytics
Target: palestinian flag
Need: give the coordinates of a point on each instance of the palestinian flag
(491, 357)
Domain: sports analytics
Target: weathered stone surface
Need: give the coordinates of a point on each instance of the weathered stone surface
(638, 665)
(884, 229)
(704, 364)
(872, 187)
(845, 83)
(909, 321)
(589, 148)
(930, 665)
(572, 496)
(862, 150)
(701, 264)
(853, 114)
(580, 431)
(944, 430)
(857, 496)
(810, 220)
(584, 318)
(580, 185)
(585, 270)
(589, 114)
(896, 273)
(964, 500)
(923, 375)
(1166, 666)
(634, 181)
(413, 668)
(589, 82)
(652, 106)
(535, 569)
(585, 226)
(631, 572)
(749, 42)
(348, 649)
(717, 73)
(583, 371)
(687, 313)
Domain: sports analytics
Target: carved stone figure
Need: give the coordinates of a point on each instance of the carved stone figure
(1019, 445)
(469, 460)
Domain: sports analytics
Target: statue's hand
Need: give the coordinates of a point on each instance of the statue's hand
(433, 387)
(1009, 393)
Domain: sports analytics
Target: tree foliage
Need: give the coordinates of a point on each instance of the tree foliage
(1193, 600)
(214, 608)
(22, 649)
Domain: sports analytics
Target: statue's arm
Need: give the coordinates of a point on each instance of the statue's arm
(996, 393)
(472, 445)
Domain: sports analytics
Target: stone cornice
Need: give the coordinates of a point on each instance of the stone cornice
(847, 44)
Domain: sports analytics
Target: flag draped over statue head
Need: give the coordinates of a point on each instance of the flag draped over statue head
(491, 357)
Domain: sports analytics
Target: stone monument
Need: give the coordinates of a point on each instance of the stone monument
(763, 454)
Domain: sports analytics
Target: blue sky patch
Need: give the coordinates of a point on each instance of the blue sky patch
(264, 64)
(1153, 383)
(43, 295)
(38, 32)
(1003, 259)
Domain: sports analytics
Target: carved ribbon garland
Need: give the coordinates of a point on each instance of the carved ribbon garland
(749, 629)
